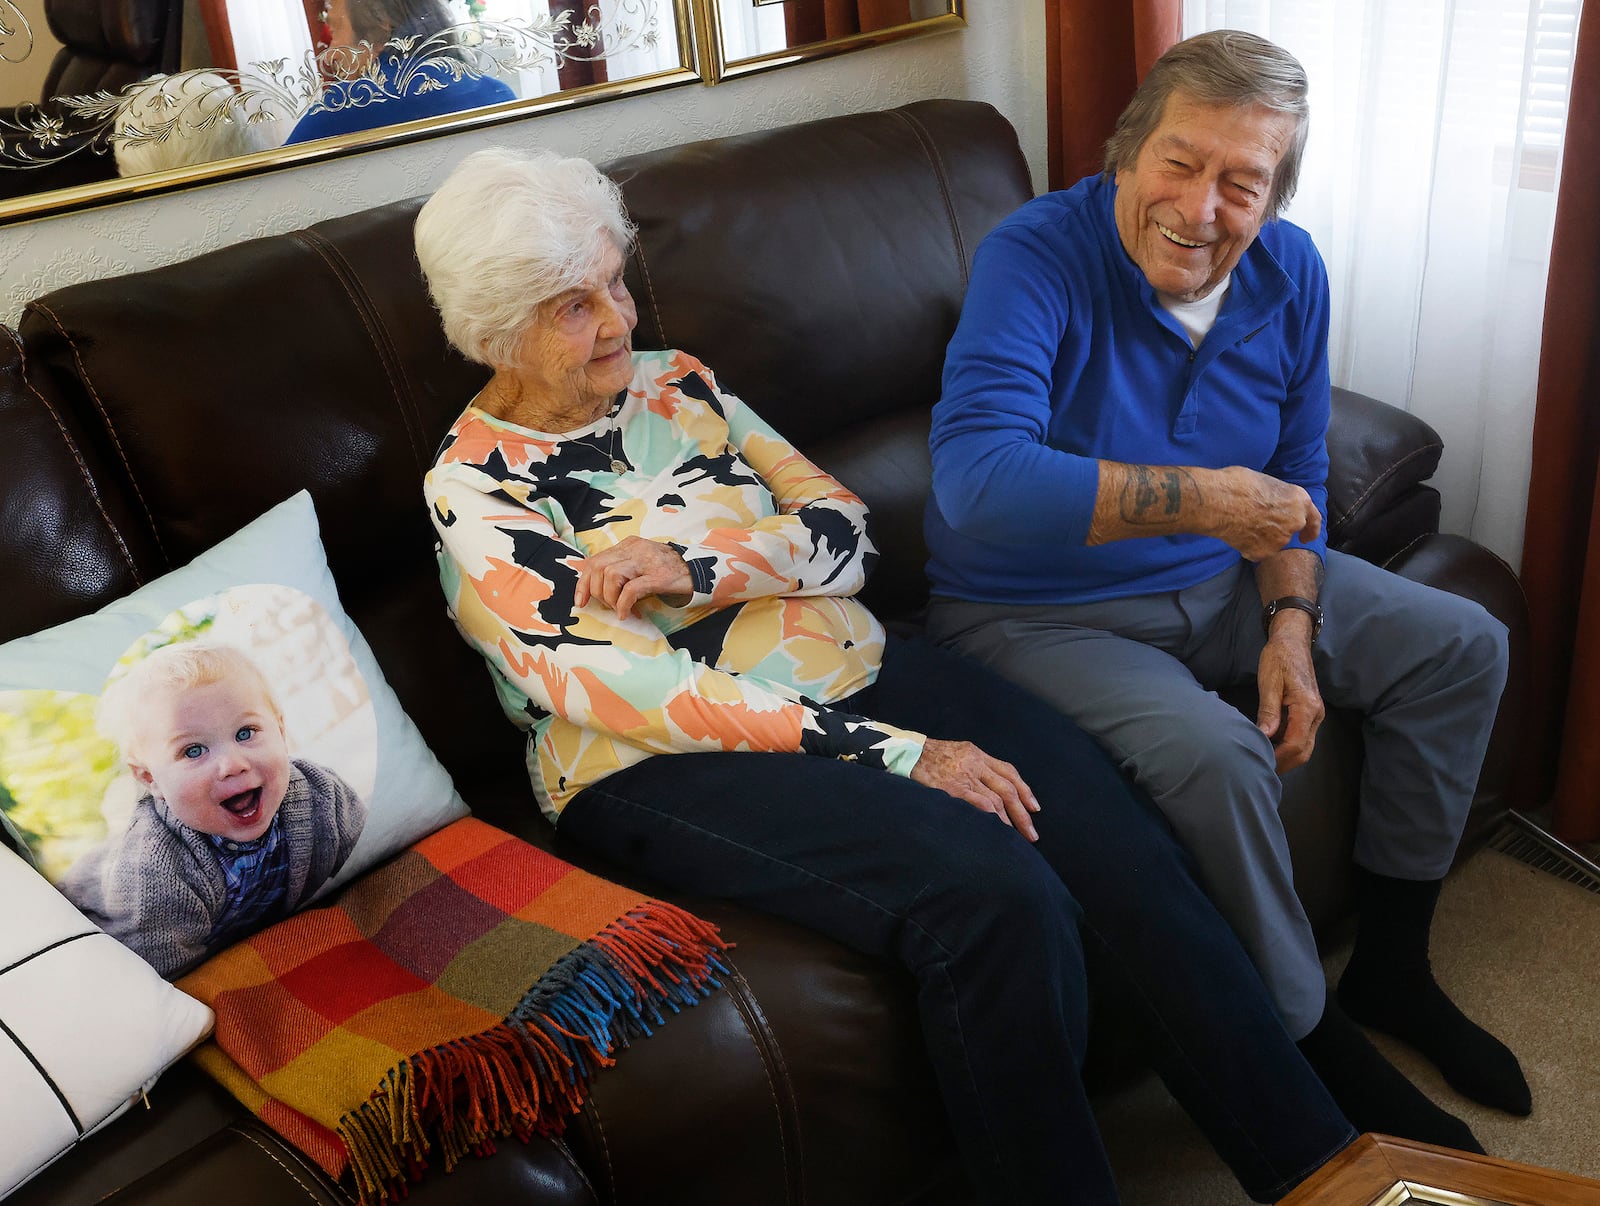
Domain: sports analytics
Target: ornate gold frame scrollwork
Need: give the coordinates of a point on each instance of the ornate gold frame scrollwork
(715, 65)
(279, 90)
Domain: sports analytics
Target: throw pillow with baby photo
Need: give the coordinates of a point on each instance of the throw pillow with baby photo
(189, 769)
(244, 751)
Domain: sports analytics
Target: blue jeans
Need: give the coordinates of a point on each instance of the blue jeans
(994, 929)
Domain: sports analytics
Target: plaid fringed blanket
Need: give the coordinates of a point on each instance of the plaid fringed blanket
(465, 991)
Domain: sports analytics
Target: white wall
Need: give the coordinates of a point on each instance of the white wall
(999, 58)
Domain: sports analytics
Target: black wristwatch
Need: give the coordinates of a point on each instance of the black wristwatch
(1296, 603)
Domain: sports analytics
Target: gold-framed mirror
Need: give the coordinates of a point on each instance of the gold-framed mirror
(106, 99)
(742, 36)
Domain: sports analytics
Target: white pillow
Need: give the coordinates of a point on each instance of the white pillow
(86, 1026)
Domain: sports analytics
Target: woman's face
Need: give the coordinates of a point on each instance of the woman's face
(577, 354)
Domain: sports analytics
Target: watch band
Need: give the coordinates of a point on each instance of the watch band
(1295, 603)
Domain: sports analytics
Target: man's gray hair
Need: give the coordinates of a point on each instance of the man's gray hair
(1222, 67)
(504, 234)
(376, 21)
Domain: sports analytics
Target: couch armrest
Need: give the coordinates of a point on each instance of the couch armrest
(1379, 458)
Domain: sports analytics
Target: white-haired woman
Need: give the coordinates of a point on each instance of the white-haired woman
(662, 587)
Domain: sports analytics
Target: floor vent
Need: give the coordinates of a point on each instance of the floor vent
(1528, 842)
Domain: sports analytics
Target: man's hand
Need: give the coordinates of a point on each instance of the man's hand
(1258, 515)
(1291, 708)
(631, 570)
(962, 770)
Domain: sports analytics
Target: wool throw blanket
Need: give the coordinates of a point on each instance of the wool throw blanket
(466, 990)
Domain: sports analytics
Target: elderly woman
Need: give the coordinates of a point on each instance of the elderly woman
(661, 585)
(393, 61)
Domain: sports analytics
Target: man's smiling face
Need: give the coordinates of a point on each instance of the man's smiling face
(1195, 198)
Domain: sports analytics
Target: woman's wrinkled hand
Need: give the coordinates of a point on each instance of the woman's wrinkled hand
(962, 770)
(631, 570)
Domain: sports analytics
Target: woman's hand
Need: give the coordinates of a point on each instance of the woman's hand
(964, 771)
(631, 570)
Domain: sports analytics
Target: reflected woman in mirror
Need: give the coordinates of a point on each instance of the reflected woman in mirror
(172, 121)
(393, 61)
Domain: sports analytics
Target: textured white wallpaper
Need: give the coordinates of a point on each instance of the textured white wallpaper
(999, 58)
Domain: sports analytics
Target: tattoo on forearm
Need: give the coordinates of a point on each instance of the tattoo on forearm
(1157, 495)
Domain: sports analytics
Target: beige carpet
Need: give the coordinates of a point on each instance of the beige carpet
(1519, 950)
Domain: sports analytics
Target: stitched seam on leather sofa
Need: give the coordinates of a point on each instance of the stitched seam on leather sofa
(942, 175)
(770, 1054)
(111, 429)
(77, 457)
(1384, 477)
(572, 1162)
(592, 1113)
(344, 272)
(276, 1159)
(1415, 541)
(650, 288)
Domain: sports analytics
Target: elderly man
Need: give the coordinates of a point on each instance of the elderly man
(1129, 484)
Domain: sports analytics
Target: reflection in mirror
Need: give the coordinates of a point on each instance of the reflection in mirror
(95, 89)
(750, 35)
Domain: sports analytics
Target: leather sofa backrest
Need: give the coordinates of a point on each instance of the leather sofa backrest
(314, 360)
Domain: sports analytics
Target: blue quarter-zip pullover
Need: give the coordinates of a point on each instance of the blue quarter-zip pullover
(1064, 356)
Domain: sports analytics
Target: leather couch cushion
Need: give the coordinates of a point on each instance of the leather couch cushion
(1378, 456)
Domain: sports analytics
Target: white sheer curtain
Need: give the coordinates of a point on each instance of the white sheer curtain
(750, 29)
(264, 30)
(1429, 186)
(637, 59)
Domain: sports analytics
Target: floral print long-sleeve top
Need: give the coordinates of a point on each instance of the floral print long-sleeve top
(756, 657)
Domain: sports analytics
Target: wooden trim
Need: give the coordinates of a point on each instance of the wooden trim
(1376, 1165)
(219, 34)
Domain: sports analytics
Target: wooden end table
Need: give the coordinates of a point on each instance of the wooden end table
(1379, 1170)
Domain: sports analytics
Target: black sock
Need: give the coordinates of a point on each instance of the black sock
(1389, 986)
(1372, 1092)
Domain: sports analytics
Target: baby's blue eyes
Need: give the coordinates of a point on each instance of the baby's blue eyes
(241, 734)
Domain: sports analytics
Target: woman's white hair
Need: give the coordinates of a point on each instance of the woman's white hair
(184, 664)
(171, 121)
(504, 234)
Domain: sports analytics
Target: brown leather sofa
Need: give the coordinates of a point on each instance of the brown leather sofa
(819, 268)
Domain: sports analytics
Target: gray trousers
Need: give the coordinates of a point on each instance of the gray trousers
(1425, 668)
